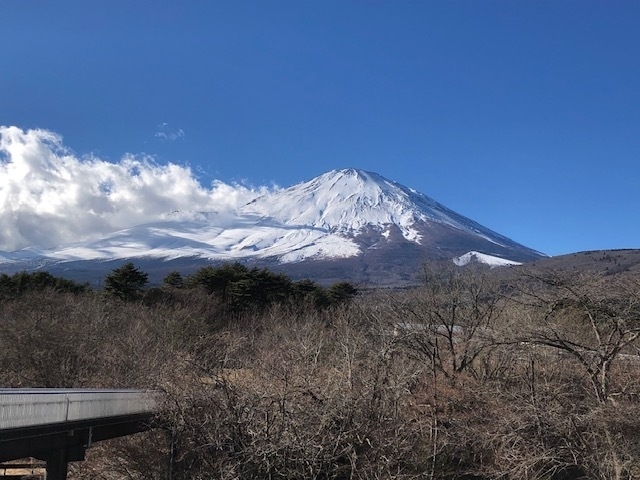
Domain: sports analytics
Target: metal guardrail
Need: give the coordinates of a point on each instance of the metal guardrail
(21, 408)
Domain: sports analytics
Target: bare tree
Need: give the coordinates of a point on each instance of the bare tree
(592, 318)
(449, 321)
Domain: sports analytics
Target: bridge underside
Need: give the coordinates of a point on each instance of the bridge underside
(59, 444)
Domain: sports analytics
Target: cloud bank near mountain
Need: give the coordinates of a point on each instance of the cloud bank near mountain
(49, 195)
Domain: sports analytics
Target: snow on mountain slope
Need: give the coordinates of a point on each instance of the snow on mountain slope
(242, 237)
(471, 257)
(347, 201)
(340, 214)
(343, 201)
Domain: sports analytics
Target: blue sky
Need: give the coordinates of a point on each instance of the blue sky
(522, 115)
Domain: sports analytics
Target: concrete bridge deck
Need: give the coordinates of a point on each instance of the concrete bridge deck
(58, 425)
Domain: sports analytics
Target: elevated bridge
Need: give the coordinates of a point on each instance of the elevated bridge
(58, 425)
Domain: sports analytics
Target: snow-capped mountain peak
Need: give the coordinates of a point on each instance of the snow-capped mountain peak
(341, 201)
(348, 201)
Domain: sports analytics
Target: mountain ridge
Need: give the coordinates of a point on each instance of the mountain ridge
(339, 215)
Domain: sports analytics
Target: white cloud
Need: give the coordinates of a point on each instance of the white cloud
(50, 196)
(167, 133)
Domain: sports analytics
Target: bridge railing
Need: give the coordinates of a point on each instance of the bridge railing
(21, 408)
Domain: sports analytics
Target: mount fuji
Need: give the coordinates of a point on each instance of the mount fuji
(347, 224)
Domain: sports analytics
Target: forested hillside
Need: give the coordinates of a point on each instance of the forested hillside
(472, 375)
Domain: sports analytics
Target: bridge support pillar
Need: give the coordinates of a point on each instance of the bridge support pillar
(58, 461)
(57, 465)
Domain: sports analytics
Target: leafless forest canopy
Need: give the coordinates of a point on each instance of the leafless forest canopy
(473, 375)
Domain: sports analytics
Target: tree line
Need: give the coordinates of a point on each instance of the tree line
(22, 283)
(237, 286)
